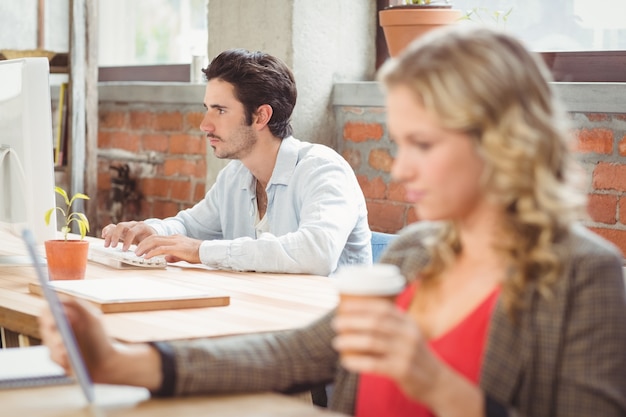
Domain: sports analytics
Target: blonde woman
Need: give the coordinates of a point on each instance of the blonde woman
(512, 308)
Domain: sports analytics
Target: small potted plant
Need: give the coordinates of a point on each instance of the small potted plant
(406, 20)
(67, 258)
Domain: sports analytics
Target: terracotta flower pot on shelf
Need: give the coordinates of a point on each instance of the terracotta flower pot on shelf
(402, 24)
(67, 259)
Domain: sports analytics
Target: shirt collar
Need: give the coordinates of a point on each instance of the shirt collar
(286, 162)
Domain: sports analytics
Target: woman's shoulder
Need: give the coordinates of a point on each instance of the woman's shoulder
(409, 251)
(418, 233)
(578, 242)
(590, 261)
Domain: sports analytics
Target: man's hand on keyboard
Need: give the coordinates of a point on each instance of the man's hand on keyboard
(175, 248)
(126, 232)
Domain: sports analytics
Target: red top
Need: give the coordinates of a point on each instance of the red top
(379, 396)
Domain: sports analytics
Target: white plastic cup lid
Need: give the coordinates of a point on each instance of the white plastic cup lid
(377, 279)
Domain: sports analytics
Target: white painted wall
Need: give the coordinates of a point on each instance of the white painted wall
(333, 40)
(264, 25)
(323, 42)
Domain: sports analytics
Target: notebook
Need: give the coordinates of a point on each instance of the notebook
(126, 294)
(30, 366)
(101, 395)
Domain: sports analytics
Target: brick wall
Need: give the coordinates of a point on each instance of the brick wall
(365, 145)
(600, 147)
(165, 151)
(602, 152)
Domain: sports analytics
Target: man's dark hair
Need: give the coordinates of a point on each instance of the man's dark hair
(258, 78)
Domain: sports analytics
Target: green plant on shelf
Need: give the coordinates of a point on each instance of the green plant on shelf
(423, 2)
(485, 15)
(70, 216)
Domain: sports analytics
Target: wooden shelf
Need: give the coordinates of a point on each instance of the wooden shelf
(59, 61)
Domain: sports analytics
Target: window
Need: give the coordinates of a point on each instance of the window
(580, 40)
(556, 25)
(150, 40)
(146, 32)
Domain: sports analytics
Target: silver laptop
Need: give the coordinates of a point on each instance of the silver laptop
(102, 395)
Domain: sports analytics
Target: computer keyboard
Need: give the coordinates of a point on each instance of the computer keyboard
(117, 258)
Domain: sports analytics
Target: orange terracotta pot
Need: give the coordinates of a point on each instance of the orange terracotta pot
(402, 25)
(67, 259)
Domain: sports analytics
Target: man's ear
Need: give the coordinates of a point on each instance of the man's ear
(262, 116)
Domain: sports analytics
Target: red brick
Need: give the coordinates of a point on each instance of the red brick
(200, 169)
(385, 216)
(111, 120)
(353, 156)
(602, 208)
(374, 188)
(169, 122)
(186, 144)
(397, 192)
(607, 176)
(597, 117)
(621, 146)
(411, 215)
(380, 159)
(360, 132)
(103, 165)
(619, 116)
(104, 181)
(132, 211)
(193, 120)
(104, 140)
(154, 187)
(181, 190)
(595, 141)
(162, 209)
(156, 143)
(200, 191)
(179, 167)
(617, 237)
(142, 120)
(622, 209)
(103, 221)
(126, 141)
(146, 209)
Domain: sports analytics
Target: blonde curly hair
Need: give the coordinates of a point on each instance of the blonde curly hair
(485, 83)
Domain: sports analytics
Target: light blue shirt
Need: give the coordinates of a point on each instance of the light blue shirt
(316, 213)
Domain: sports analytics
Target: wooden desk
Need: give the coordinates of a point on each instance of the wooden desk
(259, 302)
(67, 401)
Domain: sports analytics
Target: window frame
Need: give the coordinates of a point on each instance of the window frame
(148, 73)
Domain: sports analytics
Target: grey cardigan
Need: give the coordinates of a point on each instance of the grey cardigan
(565, 357)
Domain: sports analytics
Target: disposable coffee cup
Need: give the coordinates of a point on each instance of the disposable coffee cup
(378, 281)
(369, 281)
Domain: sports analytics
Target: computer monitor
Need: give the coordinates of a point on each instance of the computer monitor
(26, 156)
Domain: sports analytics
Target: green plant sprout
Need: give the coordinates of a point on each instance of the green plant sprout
(70, 216)
(423, 1)
(479, 14)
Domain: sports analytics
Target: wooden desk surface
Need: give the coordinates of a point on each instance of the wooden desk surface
(259, 302)
(67, 401)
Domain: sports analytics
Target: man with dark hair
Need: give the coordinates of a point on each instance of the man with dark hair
(281, 205)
